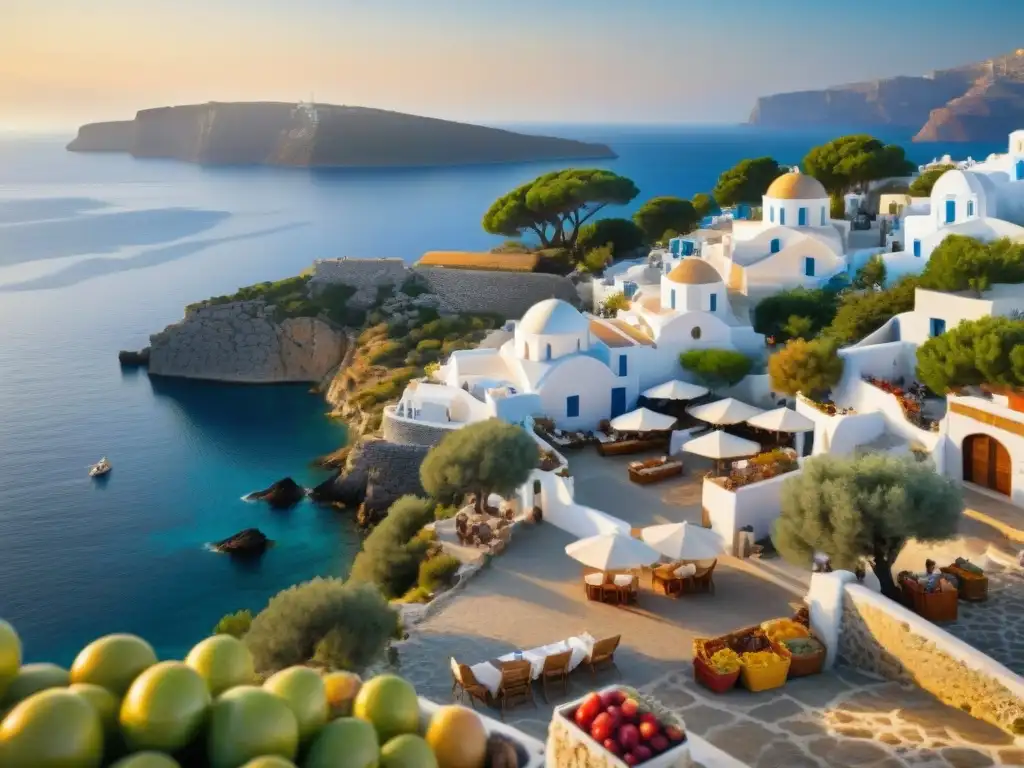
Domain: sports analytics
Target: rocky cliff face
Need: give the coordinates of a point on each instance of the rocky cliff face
(272, 133)
(243, 342)
(971, 103)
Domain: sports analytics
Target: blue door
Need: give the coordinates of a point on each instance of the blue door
(623, 365)
(917, 248)
(572, 406)
(714, 301)
(782, 216)
(809, 266)
(687, 247)
(802, 217)
(938, 326)
(673, 246)
(776, 244)
(950, 211)
(618, 401)
(1020, 170)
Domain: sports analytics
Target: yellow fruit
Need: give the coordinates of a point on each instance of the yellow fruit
(164, 708)
(10, 655)
(342, 688)
(33, 678)
(223, 661)
(52, 729)
(113, 661)
(390, 704)
(407, 751)
(147, 760)
(458, 738)
(304, 691)
(247, 722)
(103, 701)
(344, 743)
(269, 761)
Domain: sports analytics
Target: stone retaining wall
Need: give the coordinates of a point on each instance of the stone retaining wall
(508, 294)
(377, 473)
(885, 638)
(365, 275)
(405, 432)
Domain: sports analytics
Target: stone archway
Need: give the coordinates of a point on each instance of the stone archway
(987, 463)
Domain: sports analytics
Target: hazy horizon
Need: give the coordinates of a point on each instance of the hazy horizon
(571, 62)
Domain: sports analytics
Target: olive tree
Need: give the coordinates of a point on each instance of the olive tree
(392, 553)
(865, 507)
(989, 350)
(808, 367)
(482, 458)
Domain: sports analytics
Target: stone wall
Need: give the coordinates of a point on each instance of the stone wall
(377, 473)
(883, 637)
(365, 275)
(508, 294)
(242, 342)
(406, 432)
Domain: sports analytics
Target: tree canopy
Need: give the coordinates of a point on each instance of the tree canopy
(704, 204)
(485, 457)
(660, 214)
(960, 263)
(622, 234)
(596, 259)
(772, 314)
(613, 303)
(716, 368)
(986, 351)
(922, 185)
(865, 507)
(863, 312)
(848, 161)
(554, 207)
(809, 367)
(392, 553)
(747, 181)
(871, 274)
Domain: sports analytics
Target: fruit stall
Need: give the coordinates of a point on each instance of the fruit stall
(760, 657)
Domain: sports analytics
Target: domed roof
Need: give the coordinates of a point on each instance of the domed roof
(553, 316)
(694, 271)
(796, 186)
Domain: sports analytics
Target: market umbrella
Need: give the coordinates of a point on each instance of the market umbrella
(683, 541)
(612, 552)
(724, 412)
(720, 445)
(643, 420)
(675, 390)
(782, 420)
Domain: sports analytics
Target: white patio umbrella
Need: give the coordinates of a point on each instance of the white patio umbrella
(676, 390)
(643, 420)
(719, 445)
(782, 420)
(612, 552)
(724, 412)
(683, 541)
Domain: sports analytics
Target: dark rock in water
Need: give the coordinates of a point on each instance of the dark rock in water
(379, 472)
(248, 543)
(128, 357)
(281, 495)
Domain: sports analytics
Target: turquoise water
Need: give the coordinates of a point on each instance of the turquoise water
(98, 251)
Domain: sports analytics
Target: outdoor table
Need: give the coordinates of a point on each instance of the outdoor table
(488, 673)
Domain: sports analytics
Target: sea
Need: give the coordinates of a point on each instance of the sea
(97, 251)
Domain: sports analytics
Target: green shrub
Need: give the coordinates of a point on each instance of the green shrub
(234, 624)
(437, 572)
(428, 344)
(445, 512)
(413, 286)
(415, 595)
(341, 625)
(392, 554)
(716, 368)
(385, 351)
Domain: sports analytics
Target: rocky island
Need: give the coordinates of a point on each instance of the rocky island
(318, 136)
(983, 101)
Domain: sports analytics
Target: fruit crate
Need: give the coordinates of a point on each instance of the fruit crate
(757, 679)
(569, 746)
(529, 751)
(704, 674)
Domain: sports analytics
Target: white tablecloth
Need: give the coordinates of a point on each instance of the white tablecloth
(489, 675)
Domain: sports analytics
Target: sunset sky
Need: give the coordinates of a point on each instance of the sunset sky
(63, 62)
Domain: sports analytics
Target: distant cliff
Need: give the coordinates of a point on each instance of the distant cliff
(976, 102)
(321, 135)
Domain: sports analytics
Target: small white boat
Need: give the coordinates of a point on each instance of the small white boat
(100, 468)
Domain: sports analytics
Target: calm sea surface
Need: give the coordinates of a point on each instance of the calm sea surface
(98, 251)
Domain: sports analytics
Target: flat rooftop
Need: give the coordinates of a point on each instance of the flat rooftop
(604, 331)
(634, 333)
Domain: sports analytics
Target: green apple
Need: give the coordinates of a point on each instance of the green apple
(390, 704)
(407, 751)
(147, 760)
(223, 661)
(52, 729)
(33, 678)
(306, 694)
(344, 743)
(10, 655)
(113, 662)
(164, 708)
(103, 701)
(247, 722)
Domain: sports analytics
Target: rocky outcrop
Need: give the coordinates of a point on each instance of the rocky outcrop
(245, 342)
(320, 135)
(283, 494)
(975, 102)
(248, 543)
(129, 358)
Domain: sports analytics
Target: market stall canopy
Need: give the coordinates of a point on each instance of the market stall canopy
(782, 420)
(724, 412)
(676, 390)
(612, 552)
(642, 420)
(721, 445)
(683, 541)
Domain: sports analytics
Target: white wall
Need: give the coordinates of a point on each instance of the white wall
(958, 427)
(888, 360)
(757, 505)
(841, 434)
(589, 379)
(561, 511)
(867, 398)
(816, 209)
(755, 389)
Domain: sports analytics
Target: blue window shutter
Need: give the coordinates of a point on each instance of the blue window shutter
(809, 266)
(950, 211)
(782, 216)
(917, 248)
(824, 216)
(673, 246)
(802, 217)
(547, 352)
(672, 299)
(572, 406)
(776, 244)
(1020, 170)
(623, 365)
(938, 326)
(714, 301)
(771, 214)
(970, 207)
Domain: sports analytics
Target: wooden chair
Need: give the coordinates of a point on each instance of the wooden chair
(556, 669)
(466, 684)
(592, 591)
(703, 580)
(603, 654)
(516, 685)
(629, 593)
(610, 590)
(664, 580)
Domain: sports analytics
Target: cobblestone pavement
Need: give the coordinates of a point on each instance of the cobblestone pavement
(996, 626)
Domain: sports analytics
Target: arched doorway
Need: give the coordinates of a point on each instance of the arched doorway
(987, 463)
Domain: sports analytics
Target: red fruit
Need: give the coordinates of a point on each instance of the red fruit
(642, 753)
(619, 697)
(601, 728)
(609, 699)
(658, 744)
(592, 705)
(612, 746)
(583, 718)
(648, 717)
(629, 737)
(648, 729)
(674, 733)
(615, 714)
(630, 708)
(630, 759)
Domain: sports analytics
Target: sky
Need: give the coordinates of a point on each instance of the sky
(64, 62)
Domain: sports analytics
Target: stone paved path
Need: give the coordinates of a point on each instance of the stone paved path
(996, 627)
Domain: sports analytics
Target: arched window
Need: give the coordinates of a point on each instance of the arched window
(547, 352)
(776, 245)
